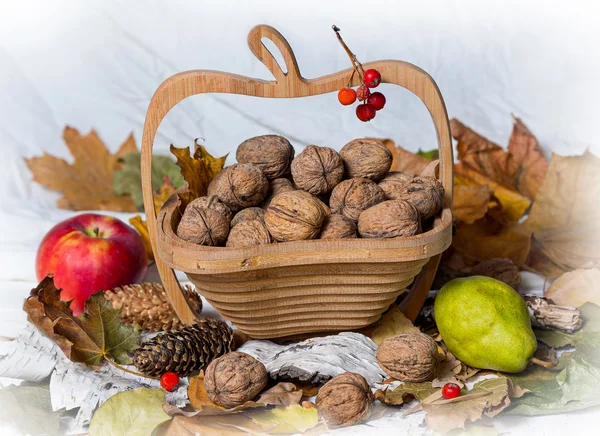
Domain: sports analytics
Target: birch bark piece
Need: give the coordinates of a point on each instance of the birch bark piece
(316, 360)
(548, 316)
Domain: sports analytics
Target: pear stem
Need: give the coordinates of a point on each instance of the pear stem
(544, 363)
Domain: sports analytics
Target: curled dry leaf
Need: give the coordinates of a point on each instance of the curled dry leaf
(405, 392)
(391, 324)
(576, 288)
(87, 183)
(471, 202)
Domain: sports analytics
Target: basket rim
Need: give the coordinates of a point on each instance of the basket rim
(198, 259)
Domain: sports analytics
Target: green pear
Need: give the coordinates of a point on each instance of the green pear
(485, 324)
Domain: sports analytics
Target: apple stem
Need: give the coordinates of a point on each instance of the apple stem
(122, 368)
(96, 232)
(544, 363)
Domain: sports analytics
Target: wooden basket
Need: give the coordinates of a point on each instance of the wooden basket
(298, 287)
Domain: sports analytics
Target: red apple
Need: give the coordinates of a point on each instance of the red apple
(88, 253)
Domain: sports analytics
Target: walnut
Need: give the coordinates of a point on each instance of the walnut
(213, 202)
(366, 157)
(390, 219)
(345, 400)
(203, 226)
(317, 169)
(353, 196)
(271, 153)
(294, 216)
(409, 357)
(248, 234)
(276, 187)
(426, 194)
(249, 214)
(234, 378)
(239, 186)
(500, 269)
(337, 226)
(393, 184)
(326, 209)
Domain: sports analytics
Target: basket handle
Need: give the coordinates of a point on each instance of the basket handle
(288, 85)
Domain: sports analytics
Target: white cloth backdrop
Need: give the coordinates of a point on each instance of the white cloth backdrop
(95, 64)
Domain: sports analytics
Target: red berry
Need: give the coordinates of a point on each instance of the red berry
(372, 78)
(377, 99)
(450, 390)
(362, 93)
(347, 96)
(365, 112)
(169, 381)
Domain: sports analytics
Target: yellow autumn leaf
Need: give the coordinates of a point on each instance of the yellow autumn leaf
(141, 227)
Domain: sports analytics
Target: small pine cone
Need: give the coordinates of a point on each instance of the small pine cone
(147, 305)
(184, 351)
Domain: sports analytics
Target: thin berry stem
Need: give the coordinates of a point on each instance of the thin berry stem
(355, 63)
(122, 368)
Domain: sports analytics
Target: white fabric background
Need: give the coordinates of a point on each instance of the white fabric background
(95, 64)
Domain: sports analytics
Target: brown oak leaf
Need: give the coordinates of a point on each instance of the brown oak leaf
(86, 184)
(89, 338)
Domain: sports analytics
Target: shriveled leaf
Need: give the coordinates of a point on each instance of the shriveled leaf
(576, 288)
(95, 335)
(482, 240)
(163, 193)
(37, 316)
(213, 164)
(282, 394)
(28, 410)
(197, 394)
(141, 226)
(471, 202)
(391, 324)
(86, 184)
(286, 420)
(405, 392)
(127, 180)
(404, 160)
(135, 412)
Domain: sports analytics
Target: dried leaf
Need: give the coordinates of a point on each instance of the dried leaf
(127, 180)
(286, 420)
(86, 184)
(163, 193)
(391, 324)
(565, 218)
(282, 394)
(404, 160)
(27, 410)
(95, 335)
(136, 412)
(405, 392)
(141, 226)
(471, 202)
(576, 288)
(481, 241)
(214, 165)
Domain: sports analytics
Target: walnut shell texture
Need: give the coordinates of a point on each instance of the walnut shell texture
(239, 186)
(317, 169)
(394, 183)
(409, 357)
(366, 157)
(234, 378)
(426, 194)
(276, 187)
(351, 197)
(271, 153)
(337, 226)
(345, 400)
(203, 226)
(294, 215)
(213, 202)
(248, 234)
(248, 214)
(499, 268)
(390, 219)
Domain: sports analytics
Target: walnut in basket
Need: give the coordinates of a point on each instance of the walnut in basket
(366, 157)
(248, 214)
(317, 169)
(390, 219)
(239, 186)
(202, 225)
(294, 216)
(248, 233)
(351, 197)
(394, 183)
(213, 202)
(345, 400)
(337, 226)
(426, 194)
(276, 187)
(271, 153)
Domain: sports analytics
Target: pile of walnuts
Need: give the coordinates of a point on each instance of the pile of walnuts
(269, 196)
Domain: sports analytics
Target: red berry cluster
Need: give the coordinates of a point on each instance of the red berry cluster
(371, 102)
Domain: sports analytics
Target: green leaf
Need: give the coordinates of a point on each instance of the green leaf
(128, 179)
(286, 420)
(28, 409)
(134, 413)
(429, 154)
(555, 339)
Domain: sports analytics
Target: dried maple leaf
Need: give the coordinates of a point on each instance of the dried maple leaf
(141, 226)
(471, 202)
(197, 170)
(404, 160)
(89, 338)
(86, 184)
(576, 288)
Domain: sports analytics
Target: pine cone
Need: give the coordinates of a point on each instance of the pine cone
(148, 306)
(184, 351)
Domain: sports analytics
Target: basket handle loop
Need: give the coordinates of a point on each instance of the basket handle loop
(266, 57)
